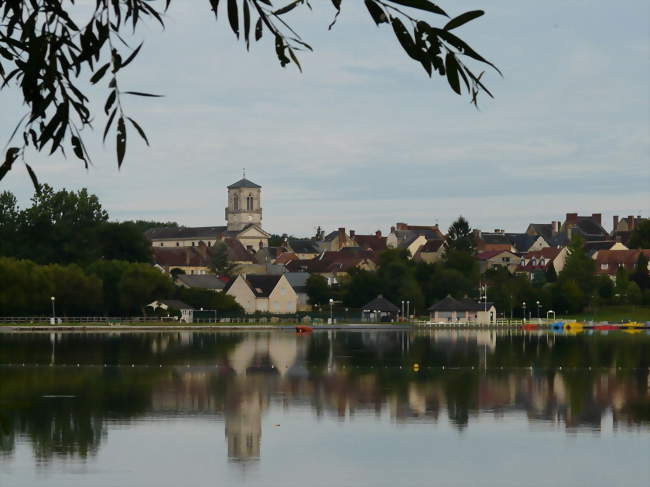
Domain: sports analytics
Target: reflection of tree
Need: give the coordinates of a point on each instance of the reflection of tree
(240, 376)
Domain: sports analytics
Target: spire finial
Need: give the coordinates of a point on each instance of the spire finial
(244, 170)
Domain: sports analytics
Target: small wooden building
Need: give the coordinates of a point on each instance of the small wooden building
(451, 310)
(379, 309)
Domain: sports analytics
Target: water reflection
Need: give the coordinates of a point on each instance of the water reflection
(62, 392)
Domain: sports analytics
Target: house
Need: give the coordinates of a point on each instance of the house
(431, 252)
(189, 260)
(205, 281)
(496, 241)
(412, 244)
(588, 227)
(524, 242)
(451, 310)
(243, 216)
(622, 228)
(402, 232)
(592, 248)
(335, 265)
(336, 240)
(609, 261)
(497, 258)
(303, 248)
(263, 293)
(537, 261)
(379, 310)
(298, 281)
(374, 242)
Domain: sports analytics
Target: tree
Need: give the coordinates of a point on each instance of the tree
(140, 285)
(220, 263)
(551, 275)
(460, 237)
(46, 53)
(640, 237)
(123, 241)
(9, 222)
(318, 290)
(580, 270)
(640, 275)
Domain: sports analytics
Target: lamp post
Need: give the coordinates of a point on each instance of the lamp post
(408, 310)
(53, 299)
(331, 315)
(524, 306)
(539, 308)
(402, 310)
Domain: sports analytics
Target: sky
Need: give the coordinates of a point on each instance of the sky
(362, 138)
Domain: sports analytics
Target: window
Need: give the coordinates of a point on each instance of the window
(604, 266)
(178, 244)
(192, 244)
(235, 202)
(209, 244)
(249, 202)
(505, 259)
(162, 244)
(522, 262)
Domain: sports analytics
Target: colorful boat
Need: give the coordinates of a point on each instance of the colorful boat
(632, 325)
(574, 327)
(606, 327)
(558, 325)
(530, 326)
(304, 329)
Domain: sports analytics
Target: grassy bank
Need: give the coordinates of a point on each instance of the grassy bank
(614, 313)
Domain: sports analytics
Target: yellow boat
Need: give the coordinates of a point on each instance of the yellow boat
(574, 327)
(632, 324)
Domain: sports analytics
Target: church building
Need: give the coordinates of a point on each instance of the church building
(243, 218)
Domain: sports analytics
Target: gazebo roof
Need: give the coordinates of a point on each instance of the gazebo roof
(380, 303)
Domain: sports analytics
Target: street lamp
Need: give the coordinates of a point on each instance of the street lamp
(53, 299)
(408, 310)
(331, 316)
(539, 307)
(402, 310)
(524, 306)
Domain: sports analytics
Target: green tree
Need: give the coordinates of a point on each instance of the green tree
(123, 241)
(640, 236)
(140, 285)
(318, 290)
(51, 77)
(621, 284)
(110, 272)
(551, 275)
(360, 288)
(9, 223)
(640, 275)
(605, 287)
(580, 270)
(460, 236)
(220, 263)
(206, 299)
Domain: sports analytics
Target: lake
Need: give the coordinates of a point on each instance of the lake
(334, 408)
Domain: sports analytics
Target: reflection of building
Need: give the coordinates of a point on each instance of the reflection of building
(244, 427)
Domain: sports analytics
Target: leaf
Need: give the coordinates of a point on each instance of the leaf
(215, 7)
(10, 156)
(247, 24)
(289, 7)
(421, 5)
(139, 93)
(233, 17)
(99, 73)
(109, 101)
(376, 12)
(404, 38)
(32, 175)
(452, 72)
(76, 147)
(139, 129)
(108, 123)
(463, 19)
(462, 46)
(132, 55)
(258, 29)
(337, 6)
(120, 141)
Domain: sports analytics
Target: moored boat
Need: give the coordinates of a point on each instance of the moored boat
(303, 329)
(606, 327)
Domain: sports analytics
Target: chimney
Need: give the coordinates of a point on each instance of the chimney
(402, 226)
(597, 217)
(378, 233)
(630, 223)
(615, 222)
(555, 228)
(341, 236)
(392, 229)
(352, 233)
(571, 218)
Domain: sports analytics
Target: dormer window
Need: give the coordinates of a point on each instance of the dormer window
(604, 266)
(522, 262)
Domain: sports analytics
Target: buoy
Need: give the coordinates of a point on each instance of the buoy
(416, 367)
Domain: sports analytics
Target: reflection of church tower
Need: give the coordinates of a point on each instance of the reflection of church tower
(244, 204)
(244, 428)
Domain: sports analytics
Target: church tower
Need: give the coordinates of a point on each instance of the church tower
(244, 204)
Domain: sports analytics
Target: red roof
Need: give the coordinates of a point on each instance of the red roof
(546, 252)
(614, 259)
(371, 242)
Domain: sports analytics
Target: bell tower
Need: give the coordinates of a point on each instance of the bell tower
(244, 204)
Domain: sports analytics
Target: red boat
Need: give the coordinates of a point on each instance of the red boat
(303, 329)
(606, 327)
(530, 326)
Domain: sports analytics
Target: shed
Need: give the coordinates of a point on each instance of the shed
(379, 309)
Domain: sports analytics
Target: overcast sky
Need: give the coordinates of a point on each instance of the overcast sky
(363, 138)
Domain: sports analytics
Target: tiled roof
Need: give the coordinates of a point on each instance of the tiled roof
(618, 258)
(451, 304)
(244, 183)
(179, 257)
(543, 229)
(489, 254)
(262, 285)
(522, 241)
(237, 252)
(172, 304)
(333, 261)
(203, 281)
(304, 246)
(546, 252)
(170, 233)
(495, 238)
(371, 242)
(298, 281)
(380, 303)
(432, 246)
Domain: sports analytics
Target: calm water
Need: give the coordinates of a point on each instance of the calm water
(340, 408)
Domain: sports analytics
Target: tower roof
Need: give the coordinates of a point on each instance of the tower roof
(244, 183)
